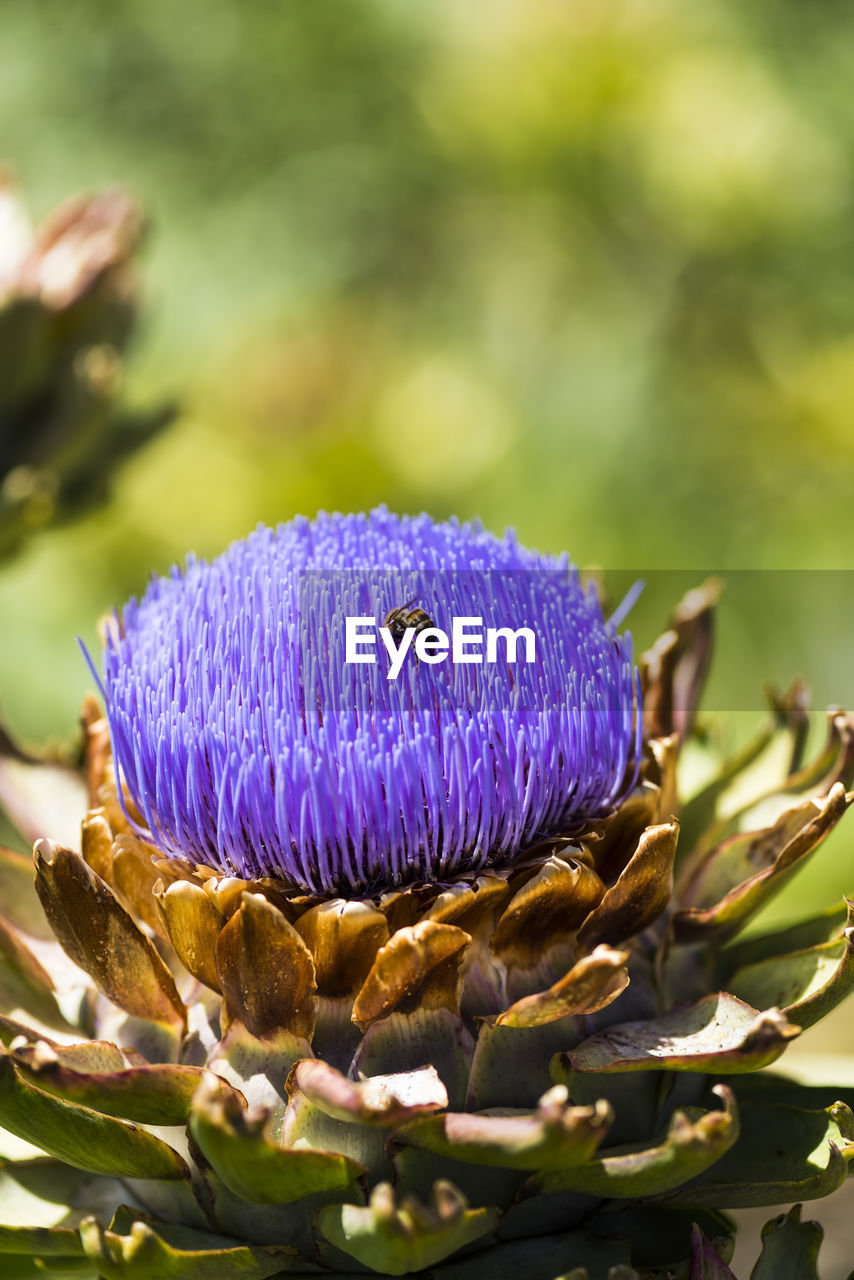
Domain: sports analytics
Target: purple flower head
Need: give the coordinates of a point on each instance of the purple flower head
(248, 742)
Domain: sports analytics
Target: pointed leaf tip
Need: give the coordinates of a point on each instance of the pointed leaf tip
(162, 1251)
(239, 1145)
(396, 1239)
(674, 670)
(718, 1033)
(265, 971)
(79, 1135)
(557, 1135)
(690, 1146)
(806, 984)
(726, 889)
(641, 893)
(103, 939)
(96, 1074)
(790, 1248)
(546, 909)
(785, 1153)
(419, 963)
(593, 982)
(383, 1100)
(193, 924)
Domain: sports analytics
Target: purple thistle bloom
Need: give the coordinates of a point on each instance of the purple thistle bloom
(248, 743)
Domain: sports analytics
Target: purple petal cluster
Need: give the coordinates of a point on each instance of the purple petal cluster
(247, 742)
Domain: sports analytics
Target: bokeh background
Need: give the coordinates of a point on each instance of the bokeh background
(584, 269)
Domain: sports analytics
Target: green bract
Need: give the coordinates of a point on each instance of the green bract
(565, 1069)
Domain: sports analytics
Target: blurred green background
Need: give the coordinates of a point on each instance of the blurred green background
(581, 268)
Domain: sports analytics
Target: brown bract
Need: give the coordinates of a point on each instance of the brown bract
(265, 971)
(279, 957)
(101, 936)
(521, 946)
(674, 670)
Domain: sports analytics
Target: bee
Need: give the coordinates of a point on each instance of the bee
(397, 620)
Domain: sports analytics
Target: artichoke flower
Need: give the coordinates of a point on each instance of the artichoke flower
(442, 974)
(67, 309)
